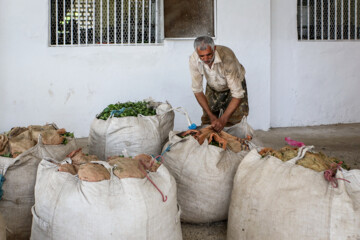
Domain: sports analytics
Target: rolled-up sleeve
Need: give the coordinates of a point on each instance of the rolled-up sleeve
(196, 77)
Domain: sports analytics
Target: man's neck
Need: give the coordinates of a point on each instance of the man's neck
(210, 64)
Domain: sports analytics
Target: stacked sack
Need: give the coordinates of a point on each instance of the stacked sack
(2, 228)
(24, 149)
(141, 127)
(121, 198)
(204, 163)
(294, 194)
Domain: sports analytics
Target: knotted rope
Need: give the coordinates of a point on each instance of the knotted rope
(141, 167)
(329, 175)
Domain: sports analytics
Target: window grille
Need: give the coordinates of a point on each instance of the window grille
(104, 22)
(328, 19)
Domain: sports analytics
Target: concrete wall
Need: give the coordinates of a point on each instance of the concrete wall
(70, 85)
(312, 83)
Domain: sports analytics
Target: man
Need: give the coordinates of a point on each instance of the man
(225, 101)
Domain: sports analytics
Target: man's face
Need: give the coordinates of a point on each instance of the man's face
(207, 56)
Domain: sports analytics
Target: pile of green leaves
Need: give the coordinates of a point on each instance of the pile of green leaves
(8, 155)
(66, 135)
(130, 109)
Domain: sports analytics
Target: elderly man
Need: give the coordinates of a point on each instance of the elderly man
(225, 101)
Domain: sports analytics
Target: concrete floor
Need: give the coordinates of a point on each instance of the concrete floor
(340, 140)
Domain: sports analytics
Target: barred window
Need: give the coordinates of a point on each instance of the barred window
(103, 22)
(328, 19)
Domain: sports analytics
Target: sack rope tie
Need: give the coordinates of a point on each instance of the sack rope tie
(2, 180)
(164, 198)
(329, 175)
(161, 156)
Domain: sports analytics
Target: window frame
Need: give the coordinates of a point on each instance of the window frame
(192, 38)
(158, 34)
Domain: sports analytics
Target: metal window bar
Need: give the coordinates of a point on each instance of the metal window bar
(336, 27)
(136, 21)
(78, 21)
(328, 18)
(349, 14)
(101, 22)
(342, 19)
(301, 20)
(115, 32)
(57, 23)
(356, 17)
(122, 21)
(315, 20)
(107, 23)
(142, 19)
(157, 21)
(72, 22)
(64, 20)
(86, 22)
(129, 20)
(149, 21)
(322, 19)
(94, 19)
(308, 19)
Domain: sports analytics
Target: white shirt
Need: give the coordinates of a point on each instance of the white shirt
(225, 73)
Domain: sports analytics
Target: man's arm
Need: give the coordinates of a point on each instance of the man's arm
(200, 97)
(220, 123)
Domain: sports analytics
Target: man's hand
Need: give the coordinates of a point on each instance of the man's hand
(218, 124)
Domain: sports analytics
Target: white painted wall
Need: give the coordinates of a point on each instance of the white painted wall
(70, 85)
(313, 83)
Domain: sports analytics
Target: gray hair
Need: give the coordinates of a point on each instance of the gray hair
(203, 42)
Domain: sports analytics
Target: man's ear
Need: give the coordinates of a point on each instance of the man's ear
(214, 48)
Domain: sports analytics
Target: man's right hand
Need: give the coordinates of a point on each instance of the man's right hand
(218, 124)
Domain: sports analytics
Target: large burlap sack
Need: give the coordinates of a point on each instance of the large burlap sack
(129, 208)
(18, 188)
(142, 134)
(277, 200)
(204, 176)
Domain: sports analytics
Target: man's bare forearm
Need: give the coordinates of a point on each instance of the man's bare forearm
(233, 105)
(200, 97)
(220, 123)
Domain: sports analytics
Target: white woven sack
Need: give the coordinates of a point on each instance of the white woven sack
(20, 175)
(128, 209)
(241, 129)
(278, 200)
(2, 228)
(204, 176)
(142, 134)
